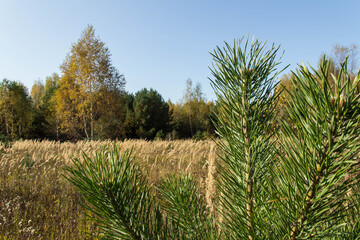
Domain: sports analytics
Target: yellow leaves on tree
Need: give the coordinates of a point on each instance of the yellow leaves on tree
(87, 77)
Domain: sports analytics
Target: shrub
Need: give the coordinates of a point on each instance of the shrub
(159, 135)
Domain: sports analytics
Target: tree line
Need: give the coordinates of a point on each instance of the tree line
(88, 101)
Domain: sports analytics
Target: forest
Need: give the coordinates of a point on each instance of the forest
(88, 100)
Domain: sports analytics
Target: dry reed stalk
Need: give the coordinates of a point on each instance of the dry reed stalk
(210, 181)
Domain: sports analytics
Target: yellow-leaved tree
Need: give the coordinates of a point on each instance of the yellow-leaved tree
(88, 81)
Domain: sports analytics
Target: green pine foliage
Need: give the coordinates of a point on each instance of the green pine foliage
(319, 151)
(295, 181)
(179, 193)
(244, 80)
(117, 193)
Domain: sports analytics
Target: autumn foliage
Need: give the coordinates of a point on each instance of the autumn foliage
(88, 101)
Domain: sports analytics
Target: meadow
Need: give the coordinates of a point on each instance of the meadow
(36, 202)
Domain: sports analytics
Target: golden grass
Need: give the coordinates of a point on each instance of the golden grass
(36, 202)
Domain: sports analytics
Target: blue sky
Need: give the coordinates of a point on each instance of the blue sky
(160, 44)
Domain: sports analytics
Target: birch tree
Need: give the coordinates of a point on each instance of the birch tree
(87, 73)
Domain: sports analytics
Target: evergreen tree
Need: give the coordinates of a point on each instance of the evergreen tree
(151, 113)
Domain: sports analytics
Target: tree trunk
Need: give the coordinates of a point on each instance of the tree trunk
(7, 127)
(191, 130)
(91, 121)
(85, 128)
(57, 130)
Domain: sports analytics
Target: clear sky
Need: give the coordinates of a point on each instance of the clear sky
(160, 44)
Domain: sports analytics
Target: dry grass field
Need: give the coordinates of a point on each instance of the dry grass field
(36, 202)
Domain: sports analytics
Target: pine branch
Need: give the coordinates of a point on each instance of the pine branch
(186, 208)
(244, 80)
(116, 192)
(319, 153)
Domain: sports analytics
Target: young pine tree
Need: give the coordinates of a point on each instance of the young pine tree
(296, 182)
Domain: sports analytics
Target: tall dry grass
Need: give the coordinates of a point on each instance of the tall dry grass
(36, 202)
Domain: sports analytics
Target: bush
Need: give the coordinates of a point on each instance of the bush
(199, 135)
(159, 135)
(5, 140)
